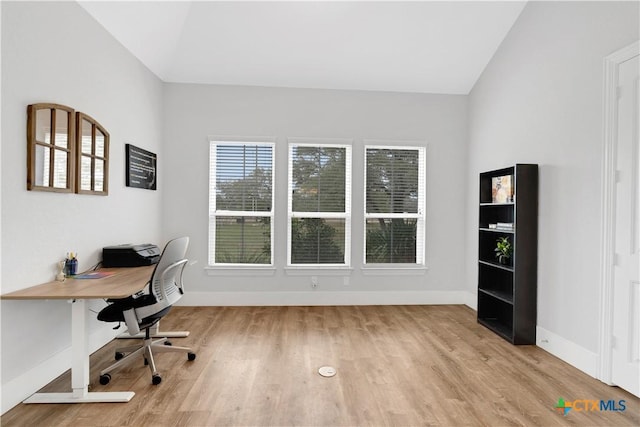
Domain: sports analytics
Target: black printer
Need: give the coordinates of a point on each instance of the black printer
(130, 255)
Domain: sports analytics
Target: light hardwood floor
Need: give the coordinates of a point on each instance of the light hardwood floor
(396, 365)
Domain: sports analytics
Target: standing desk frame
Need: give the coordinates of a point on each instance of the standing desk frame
(121, 283)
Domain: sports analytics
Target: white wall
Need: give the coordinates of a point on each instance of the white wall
(55, 52)
(193, 112)
(540, 101)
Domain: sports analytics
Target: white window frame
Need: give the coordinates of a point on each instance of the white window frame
(214, 213)
(325, 143)
(420, 216)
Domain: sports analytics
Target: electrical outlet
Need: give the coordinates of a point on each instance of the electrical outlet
(314, 282)
(345, 281)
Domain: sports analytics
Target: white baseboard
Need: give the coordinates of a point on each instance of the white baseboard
(23, 386)
(568, 351)
(322, 298)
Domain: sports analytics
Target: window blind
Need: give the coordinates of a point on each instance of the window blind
(240, 203)
(394, 205)
(319, 204)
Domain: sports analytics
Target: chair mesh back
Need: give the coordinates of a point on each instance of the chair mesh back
(174, 251)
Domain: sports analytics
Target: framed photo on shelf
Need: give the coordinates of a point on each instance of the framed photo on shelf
(502, 189)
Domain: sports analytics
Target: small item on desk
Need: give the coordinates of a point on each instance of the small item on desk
(93, 275)
(72, 264)
(61, 267)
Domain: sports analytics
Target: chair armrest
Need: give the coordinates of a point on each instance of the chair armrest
(131, 321)
(178, 264)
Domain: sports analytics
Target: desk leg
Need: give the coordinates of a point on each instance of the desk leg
(80, 346)
(80, 367)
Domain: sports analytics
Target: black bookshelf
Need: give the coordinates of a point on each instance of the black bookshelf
(507, 290)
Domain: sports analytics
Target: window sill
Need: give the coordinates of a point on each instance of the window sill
(394, 270)
(318, 271)
(240, 271)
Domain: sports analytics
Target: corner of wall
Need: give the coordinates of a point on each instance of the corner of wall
(471, 300)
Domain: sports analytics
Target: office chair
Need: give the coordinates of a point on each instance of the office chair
(142, 311)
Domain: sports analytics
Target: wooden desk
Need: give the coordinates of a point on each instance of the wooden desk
(121, 284)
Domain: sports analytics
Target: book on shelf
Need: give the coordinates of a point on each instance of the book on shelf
(504, 226)
(501, 226)
(502, 189)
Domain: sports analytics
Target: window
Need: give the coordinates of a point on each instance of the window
(319, 204)
(394, 205)
(240, 203)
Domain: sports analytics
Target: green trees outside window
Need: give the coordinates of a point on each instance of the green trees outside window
(318, 205)
(241, 207)
(394, 205)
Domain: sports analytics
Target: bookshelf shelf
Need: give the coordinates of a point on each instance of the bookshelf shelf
(497, 265)
(496, 230)
(502, 296)
(497, 326)
(497, 204)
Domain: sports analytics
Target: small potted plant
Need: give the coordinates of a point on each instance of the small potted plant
(503, 250)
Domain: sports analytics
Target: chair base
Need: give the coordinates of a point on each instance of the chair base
(148, 347)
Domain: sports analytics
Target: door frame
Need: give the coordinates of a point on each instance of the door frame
(610, 132)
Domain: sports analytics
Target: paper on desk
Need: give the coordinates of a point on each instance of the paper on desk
(93, 275)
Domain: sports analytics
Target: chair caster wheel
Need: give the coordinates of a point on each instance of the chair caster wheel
(104, 379)
(156, 379)
(168, 343)
(119, 355)
(191, 356)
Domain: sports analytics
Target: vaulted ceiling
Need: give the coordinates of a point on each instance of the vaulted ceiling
(429, 46)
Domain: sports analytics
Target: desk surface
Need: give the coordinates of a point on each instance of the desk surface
(121, 284)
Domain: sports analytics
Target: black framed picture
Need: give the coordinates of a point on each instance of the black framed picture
(141, 168)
